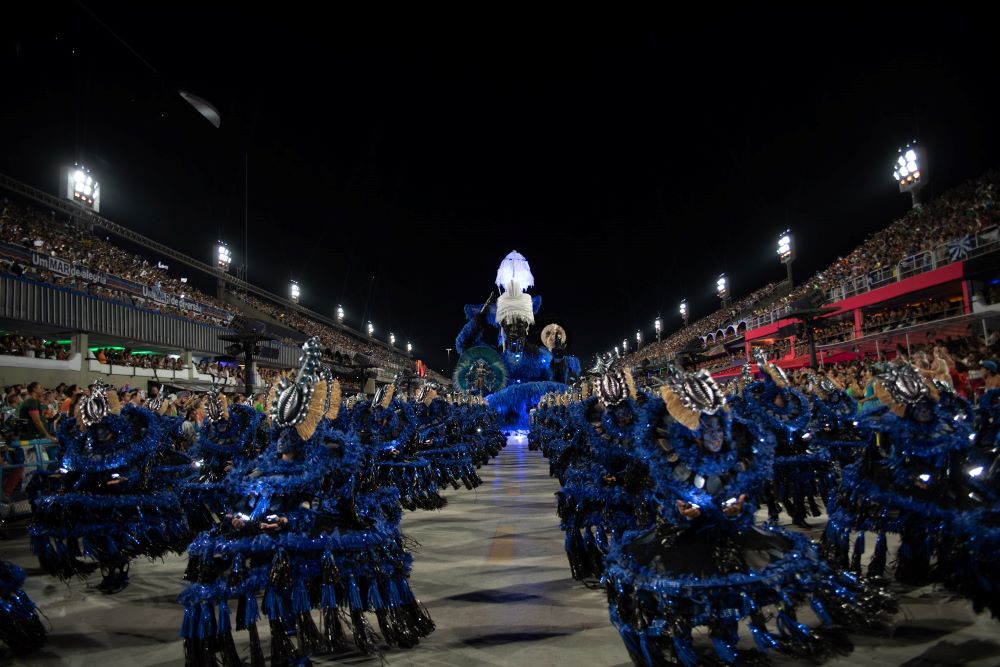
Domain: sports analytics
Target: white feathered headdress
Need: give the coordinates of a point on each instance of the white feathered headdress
(515, 269)
(515, 304)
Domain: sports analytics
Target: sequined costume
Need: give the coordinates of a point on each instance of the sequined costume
(706, 563)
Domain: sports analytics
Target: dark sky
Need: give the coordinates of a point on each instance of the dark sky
(631, 163)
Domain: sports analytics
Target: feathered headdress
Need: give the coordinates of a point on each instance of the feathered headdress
(899, 385)
(514, 269)
(689, 395)
(615, 387)
(309, 398)
(773, 371)
(98, 405)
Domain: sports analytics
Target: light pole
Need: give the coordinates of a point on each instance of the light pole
(910, 171)
(786, 253)
(409, 348)
(223, 258)
(340, 314)
(371, 329)
(392, 339)
(684, 311)
(293, 291)
(658, 325)
(625, 345)
(638, 339)
(722, 289)
(448, 350)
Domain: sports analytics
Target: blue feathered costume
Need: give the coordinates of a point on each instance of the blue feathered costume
(111, 507)
(835, 425)
(706, 563)
(21, 629)
(301, 535)
(915, 480)
(803, 471)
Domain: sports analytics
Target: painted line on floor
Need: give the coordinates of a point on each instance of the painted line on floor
(502, 549)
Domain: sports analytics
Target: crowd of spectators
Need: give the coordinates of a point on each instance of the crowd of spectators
(120, 356)
(330, 337)
(908, 315)
(963, 211)
(57, 235)
(26, 346)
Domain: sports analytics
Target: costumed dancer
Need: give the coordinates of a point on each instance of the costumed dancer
(803, 472)
(294, 541)
(440, 440)
(706, 563)
(110, 507)
(21, 628)
(230, 436)
(604, 488)
(387, 426)
(835, 424)
(915, 480)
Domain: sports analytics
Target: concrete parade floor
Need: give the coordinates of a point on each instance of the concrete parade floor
(491, 570)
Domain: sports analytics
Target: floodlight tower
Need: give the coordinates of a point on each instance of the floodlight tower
(658, 327)
(80, 187)
(684, 311)
(293, 291)
(786, 253)
(910, 171)
(722, 289)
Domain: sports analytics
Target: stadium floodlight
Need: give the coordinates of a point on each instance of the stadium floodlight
(293, 291)
(658, 326)
(638, 338)
(910, 171)
(80, 186)
(371, 328)
(340, 313)
(223, 258)
(409, 348)
(625, 345)
(617, 353)
(392, 338)
(786, 252)
(722, 289)
(684, 311)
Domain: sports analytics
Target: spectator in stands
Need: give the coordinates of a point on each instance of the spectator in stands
(32, 411)
(992, 372)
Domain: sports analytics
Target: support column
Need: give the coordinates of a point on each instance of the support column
(189, 363)
(80, 342)
(857, 323)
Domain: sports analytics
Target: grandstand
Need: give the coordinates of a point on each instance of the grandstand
(77, 306)
(929, 275)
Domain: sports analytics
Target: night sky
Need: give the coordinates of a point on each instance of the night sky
(393, 164)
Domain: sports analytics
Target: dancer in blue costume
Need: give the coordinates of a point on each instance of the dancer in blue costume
(914, 480)
(803, 472)
(230, 436)
(21, 628)
(387, 427)
(603, 492)
(111, 507)
(295, 541)
(497, 360)
(706, 563)
(441, 440)
(835, 424)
